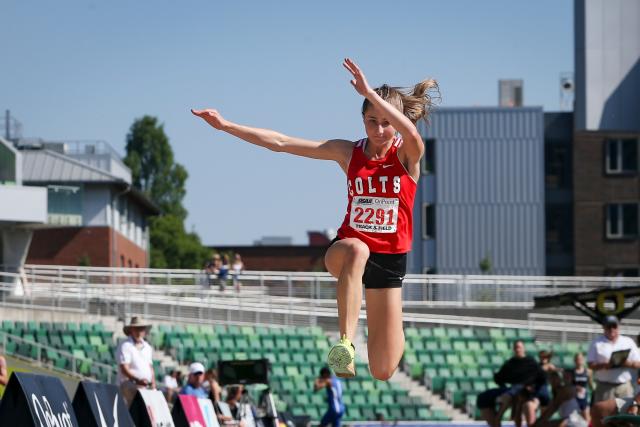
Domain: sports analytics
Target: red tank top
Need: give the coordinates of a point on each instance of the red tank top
(381, 194)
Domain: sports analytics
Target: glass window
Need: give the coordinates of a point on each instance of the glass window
(428, 221)
(621, 156)
(429, 159)
(64, 206)
(622, 220)
(7, 166)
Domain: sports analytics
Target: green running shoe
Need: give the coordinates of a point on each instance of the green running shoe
(341, 358)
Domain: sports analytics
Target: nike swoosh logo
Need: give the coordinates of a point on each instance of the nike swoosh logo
(386, 166)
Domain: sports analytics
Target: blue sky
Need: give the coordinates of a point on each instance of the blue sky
(85, 70)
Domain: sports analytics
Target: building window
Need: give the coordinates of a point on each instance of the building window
(7, 166)
(64, 205)
(621, 156)
(622, 221)
(429, 159)
(428, 221)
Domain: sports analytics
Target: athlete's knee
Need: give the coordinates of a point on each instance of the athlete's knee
(382, 371)
(356, 251)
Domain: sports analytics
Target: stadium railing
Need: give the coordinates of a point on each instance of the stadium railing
(291, 298)
(419, 290)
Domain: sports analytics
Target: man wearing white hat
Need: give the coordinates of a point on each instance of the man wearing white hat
(195, 381)
(134, 356)
(613, 380)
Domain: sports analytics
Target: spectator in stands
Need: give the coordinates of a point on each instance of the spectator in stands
(238, 267)
(606, 408)
(223, 272)
(564, 401)
(170, 385)
(215, 391)
(234, 394)
(4, 373)
(545, 363)
(134, 357)
(525, 377)
(211, 384)
(612, 382)
(195, 381)
(582, 379)
(212, 268)
(336, 407)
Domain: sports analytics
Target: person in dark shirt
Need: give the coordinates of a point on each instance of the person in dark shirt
(519, 379)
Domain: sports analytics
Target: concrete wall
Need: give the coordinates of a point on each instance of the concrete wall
(607, 65)
(23, 204)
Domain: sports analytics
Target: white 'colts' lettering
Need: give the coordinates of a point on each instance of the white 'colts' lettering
(372, 189)
(396, 184)
(359, 188)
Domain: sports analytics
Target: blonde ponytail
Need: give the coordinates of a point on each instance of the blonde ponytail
(414, 103)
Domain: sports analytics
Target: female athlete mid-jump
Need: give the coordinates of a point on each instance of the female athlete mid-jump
(372, 243)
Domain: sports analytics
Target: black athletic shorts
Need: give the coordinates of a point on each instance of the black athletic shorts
(383, 270)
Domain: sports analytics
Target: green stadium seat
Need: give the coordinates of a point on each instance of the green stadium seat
(8, 325)
(482, 334)
(459, 345)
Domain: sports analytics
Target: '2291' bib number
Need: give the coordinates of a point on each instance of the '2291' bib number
(374, 214)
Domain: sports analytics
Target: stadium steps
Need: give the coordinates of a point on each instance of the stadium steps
(432, 400)
(404, 381)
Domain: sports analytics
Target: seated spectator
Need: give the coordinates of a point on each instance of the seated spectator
(545, 361)
(194, 381)
(170, 385)
(525, 377)
(618, 406)
(233, 409)
(548, 367)
(212, 386)
(564, 401)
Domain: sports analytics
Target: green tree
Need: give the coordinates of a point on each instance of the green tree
(485, 264)
(154, 171)
(150, 158)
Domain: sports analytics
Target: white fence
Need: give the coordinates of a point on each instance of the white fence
(278, 298)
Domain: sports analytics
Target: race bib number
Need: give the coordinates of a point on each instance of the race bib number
(374, 214)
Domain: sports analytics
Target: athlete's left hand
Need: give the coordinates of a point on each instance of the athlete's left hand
(359, 81)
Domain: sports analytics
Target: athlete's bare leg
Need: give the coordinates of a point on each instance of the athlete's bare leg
(345, 260)
(386, 337)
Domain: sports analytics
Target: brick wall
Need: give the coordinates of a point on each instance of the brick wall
(68, 245)
(593, 189)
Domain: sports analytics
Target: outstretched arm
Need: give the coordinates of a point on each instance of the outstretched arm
(338, 150)
(412, 141)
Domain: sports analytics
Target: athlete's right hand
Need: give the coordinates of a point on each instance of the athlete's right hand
(212, 117)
